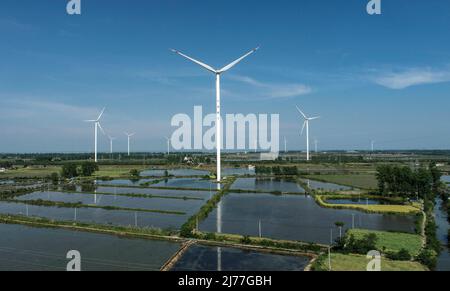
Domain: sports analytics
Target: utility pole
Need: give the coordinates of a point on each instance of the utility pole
(260, 233)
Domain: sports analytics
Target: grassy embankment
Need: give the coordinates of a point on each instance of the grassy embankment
(132, 195)
(385, 209)
(352, 262)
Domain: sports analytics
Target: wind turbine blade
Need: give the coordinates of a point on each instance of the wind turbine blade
(101, 128)
(226, 68)
(301, 112)
(100, 116)
(209, 68)
(303, 128)
(314, 118)
(90, 120)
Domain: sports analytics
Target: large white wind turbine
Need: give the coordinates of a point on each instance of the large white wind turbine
(96, 126)
(306, 124)
(218, 121)
(129, 135)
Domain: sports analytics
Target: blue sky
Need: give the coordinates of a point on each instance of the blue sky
(384, 77)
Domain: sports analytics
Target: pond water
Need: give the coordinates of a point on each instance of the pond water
(209, 258)
(188, 206)
(237, 172)
(443, 263)
(187, 183)
(124, 182)
(293, 217)
(269, 185)
(97, 216)
(158, 192)
(317, 185)
(6, 182)
(174, 172)
(446, 179)
(39, 249)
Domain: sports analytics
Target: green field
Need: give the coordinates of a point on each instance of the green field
(30, 172)
(351, 262)
(392, 241)
(113, 171)
(363, 181)
(116, 171)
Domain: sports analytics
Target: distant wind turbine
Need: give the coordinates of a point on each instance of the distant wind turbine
(218, 73)
(111, 139)
(316, 142)
(129, 135)
(306, 124)
(285, 145)
(168, 145)
(96, 126)
(372, 144)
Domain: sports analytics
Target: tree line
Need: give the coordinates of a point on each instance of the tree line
(276, 170)
(402, 181)
(73, 170)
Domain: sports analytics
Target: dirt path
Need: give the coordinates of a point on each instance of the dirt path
(177, 256)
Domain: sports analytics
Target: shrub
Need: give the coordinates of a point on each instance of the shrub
(246, 240)
(402, 255)
(428, 258)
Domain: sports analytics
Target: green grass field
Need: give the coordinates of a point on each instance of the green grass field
(363, 181)
(392, 241)
(113, 171)
(116, 171)
(351, 262)
(30, 172)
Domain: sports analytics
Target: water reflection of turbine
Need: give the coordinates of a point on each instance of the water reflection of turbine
(219, 230)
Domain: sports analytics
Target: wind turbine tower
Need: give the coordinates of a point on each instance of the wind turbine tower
(129, 135)
(218, 73)
(97, 125)
(306, 125)
(168, 145)
(111, 139)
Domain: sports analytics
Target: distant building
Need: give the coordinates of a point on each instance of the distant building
(269, 156)
(2, 170)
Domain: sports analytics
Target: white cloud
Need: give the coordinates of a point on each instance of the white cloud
(412, 77)
(275, 90)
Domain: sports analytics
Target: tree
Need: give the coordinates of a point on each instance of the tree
(134, 173)
(69, 171)
(88, 168)
(54, 177)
